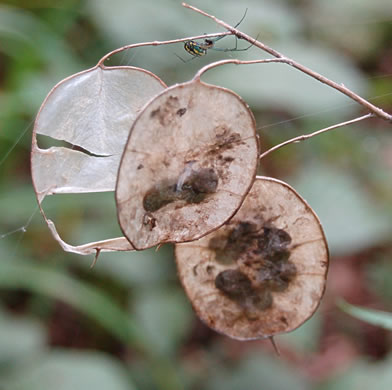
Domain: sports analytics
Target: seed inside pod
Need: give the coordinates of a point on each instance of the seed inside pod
(197, 146)
(264, 271)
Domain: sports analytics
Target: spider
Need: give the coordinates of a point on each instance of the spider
(197, 49)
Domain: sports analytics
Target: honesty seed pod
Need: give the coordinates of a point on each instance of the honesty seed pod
(89, 114)
(190, 159)
(264, 271)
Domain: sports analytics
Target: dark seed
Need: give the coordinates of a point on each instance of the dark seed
(234, 284)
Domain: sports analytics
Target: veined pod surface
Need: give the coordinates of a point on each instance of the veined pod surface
(79, 136)
(264, 272)
(190, 159)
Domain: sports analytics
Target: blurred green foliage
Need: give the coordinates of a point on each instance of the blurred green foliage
(375, 317)
(126, 323)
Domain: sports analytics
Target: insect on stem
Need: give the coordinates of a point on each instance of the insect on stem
(302, 68)
(199, 49)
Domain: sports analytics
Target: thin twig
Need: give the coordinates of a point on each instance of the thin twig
(236, 62)
(340, 87)
(97, 252)
(274, 345)
(307, 136)
(158, 43)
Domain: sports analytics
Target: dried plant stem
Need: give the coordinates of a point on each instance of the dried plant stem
(339, 87)
(307, 136)
(236, 62)
(158, 43)
(274, 345)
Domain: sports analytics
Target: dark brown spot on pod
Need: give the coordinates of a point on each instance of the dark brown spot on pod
(234, 284)
(181, 111)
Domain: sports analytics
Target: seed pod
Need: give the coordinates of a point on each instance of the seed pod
(190, 159)
(264, 271)
(89, 115)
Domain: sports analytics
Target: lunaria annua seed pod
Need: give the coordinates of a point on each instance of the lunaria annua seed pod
(79, 136)
(264, 271)
(190, 159)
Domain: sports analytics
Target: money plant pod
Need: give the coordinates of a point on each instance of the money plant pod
(190, 159)
(264, 272)
(80, 133)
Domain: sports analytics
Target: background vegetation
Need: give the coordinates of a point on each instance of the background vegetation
(126, 323)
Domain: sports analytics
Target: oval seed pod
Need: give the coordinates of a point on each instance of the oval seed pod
(190, 159)
(90, 115)
(264, 271)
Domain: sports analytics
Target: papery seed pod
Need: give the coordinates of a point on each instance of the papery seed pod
(190, 159)
(89, 115)
(264, 271)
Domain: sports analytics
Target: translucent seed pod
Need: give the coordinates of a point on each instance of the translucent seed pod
(79, 136)
(190, 159)
(264, 271)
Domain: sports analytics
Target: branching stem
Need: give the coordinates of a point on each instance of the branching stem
(339, 87)
(236, 62)
(307, 136)
(374, 111)
(158, 43)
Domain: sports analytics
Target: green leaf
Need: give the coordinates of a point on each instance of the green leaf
(304, 339)
(279, 86)
(379, 276)
(258, 372)
(19, 337)
(95, 304)
(87, 299)
(63, 370)
(363, 375)
(165, 317)
(329, 20)
(374, 317)
(138, 269)
(352, 220)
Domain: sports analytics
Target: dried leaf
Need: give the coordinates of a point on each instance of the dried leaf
(190, 159)
(92, 112)
(264, 271)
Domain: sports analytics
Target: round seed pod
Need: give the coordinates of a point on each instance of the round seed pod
(264, 271)
(190, 159)
(79, 136)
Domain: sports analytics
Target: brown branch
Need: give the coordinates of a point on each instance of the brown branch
(339, 87)
(236, 62)
(307, 136)
(158, 43)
